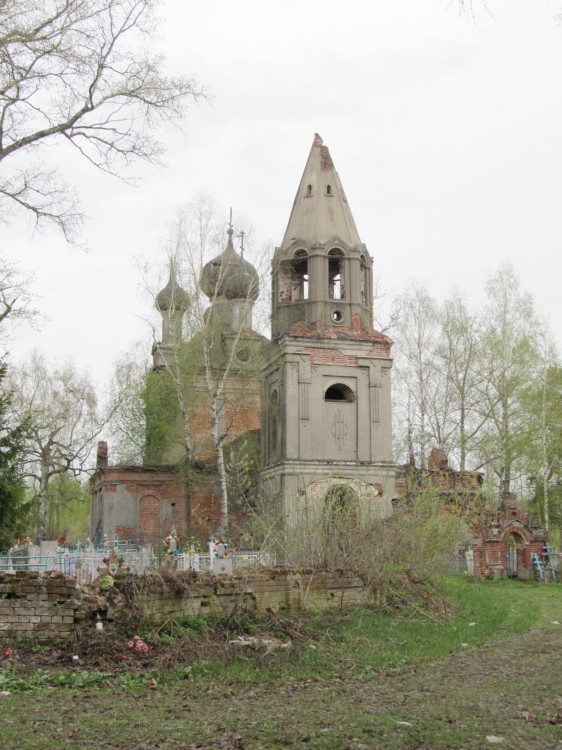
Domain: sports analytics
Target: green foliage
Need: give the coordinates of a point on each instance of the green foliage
(13, 507)
(463, 379)
(68, 508)
(12, 682)
(243, 465)
(420, 537)
(172, 630)
(163, 417)
(543, 399)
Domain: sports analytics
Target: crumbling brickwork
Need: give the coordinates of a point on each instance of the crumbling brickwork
(39, 604)
(143, 503)
(48, 605)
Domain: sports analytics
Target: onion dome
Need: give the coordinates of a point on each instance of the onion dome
(229, 275)
(172, 297)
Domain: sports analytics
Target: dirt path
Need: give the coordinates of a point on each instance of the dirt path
(507, 689)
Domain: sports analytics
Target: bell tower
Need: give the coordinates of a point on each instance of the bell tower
(326, 414)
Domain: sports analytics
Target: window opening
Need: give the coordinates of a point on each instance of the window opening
(293, 278)
(338, 392)
(328, 190)
(336, 275)
(363, 281)
(309, 190)
(299, 281)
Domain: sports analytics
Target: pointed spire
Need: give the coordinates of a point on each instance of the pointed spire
(320, 211)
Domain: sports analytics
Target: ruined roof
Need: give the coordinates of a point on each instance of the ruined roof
(320, 211)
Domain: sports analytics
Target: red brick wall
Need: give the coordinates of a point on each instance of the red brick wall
(195, 506)
(330, 357)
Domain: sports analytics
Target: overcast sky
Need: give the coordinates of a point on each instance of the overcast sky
(446, 133)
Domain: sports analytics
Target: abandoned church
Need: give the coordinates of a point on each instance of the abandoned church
(310, 423)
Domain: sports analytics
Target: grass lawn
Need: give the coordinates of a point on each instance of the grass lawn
(489, 674)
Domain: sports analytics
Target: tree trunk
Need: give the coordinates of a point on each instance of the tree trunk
(545, 462)
(217, 436)
(42, 494)
(462, 437)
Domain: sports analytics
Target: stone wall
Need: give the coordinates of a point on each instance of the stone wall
(161, 600)
(42, 605)
(48, 605)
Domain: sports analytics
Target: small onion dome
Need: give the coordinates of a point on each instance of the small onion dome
(172, 297)
(229, 275)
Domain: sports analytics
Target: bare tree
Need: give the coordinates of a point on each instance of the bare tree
(60, 408)
(78, 72)
(457, 357)
(16, 301)
(417, 377)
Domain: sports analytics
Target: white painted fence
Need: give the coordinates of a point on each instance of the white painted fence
(85, 564)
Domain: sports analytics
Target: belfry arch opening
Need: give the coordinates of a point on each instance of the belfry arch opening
(293, 278)
(363, 281)
(339, 392)
(299, 280)
(336, 274)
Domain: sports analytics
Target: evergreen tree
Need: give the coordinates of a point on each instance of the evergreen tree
(13, 508)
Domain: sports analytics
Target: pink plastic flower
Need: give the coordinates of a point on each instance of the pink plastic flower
(8, 653)
(131, 644)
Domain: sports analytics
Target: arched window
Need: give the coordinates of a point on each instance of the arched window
(308, 191)
(328, 190)
(299, 284)
(342, 505)
(339, 392)
(293, 278)
(336, 275)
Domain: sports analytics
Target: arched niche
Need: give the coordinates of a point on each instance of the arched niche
(339, 423)
(149, 516)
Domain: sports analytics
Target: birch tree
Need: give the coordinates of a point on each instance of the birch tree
(415, 339)
(543, 460)
(510, 365)
(457, 359)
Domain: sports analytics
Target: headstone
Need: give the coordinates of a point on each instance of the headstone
(221, 559)
(48, 553)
